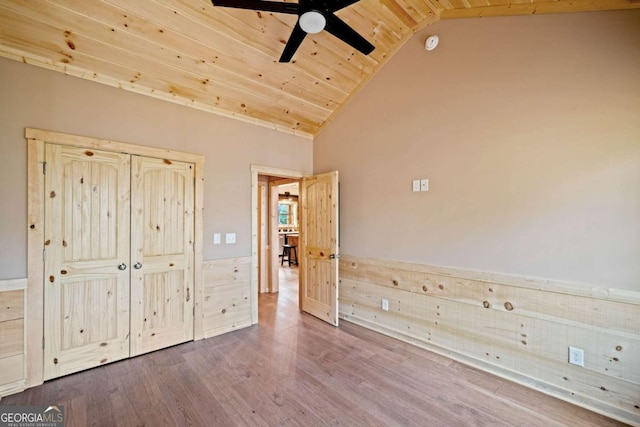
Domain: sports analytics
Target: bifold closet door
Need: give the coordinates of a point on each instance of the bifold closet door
(162, 253)
(86, 259)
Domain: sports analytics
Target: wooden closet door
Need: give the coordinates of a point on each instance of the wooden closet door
(162, 253)
(86, 255)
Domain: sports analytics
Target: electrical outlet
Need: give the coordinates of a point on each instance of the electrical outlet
(576, 356)
(230, 238)
(385, 305)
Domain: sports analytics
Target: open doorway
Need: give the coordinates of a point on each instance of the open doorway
(278, 231)
(287, 228)
(275, 223)
(318, 240)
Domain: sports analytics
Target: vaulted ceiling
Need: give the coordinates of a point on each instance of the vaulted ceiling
(226, 60)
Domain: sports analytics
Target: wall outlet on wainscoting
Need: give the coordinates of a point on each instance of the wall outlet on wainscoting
(576, 356)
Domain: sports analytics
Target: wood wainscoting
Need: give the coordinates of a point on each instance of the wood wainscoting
(12, 336)
(227, 295)
(514, 327)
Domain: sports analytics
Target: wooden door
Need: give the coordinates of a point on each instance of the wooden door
(86, 287)
(162, 253)
(319, 247)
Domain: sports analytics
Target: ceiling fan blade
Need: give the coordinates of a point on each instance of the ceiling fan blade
(266, 6)
(296, 37)
(344, 32)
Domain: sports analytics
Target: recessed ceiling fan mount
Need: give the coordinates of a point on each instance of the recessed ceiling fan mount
(313, 17)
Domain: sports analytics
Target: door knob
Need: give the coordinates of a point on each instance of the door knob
(137, 266)
(122, 266)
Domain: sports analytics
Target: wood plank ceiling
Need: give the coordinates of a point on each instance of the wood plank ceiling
(226, 60)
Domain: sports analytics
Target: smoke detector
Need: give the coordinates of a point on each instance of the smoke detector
(431, 43)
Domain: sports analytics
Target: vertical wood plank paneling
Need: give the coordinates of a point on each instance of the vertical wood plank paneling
(73, 316)
(517, 328)
(96, 220)
(82, 203)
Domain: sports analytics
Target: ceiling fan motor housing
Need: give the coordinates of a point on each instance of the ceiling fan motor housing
(312, 22)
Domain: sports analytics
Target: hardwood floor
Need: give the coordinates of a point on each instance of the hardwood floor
(294, 370)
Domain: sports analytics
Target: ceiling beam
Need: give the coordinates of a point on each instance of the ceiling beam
(560, 6)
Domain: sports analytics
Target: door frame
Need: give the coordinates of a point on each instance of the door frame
(34, 316)
(255, 171)
(274, 238)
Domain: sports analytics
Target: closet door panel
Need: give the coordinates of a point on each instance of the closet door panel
(86, 259)
(162, 253)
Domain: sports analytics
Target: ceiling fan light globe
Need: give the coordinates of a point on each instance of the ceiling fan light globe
(312, 22)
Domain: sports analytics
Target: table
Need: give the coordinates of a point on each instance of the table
(287, 234)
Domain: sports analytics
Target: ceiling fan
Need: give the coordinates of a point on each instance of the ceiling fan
(313, 17)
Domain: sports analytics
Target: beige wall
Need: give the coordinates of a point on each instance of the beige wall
(34, 97)
(528, 129)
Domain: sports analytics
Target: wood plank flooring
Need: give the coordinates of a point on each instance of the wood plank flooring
(294, 370)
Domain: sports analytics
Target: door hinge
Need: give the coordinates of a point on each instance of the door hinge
(44, 168)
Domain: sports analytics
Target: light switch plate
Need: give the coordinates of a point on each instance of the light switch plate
(416, 185)
(230, 238)
(216, 238)
(424, 185)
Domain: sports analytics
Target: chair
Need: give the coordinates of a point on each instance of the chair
(287, 249)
